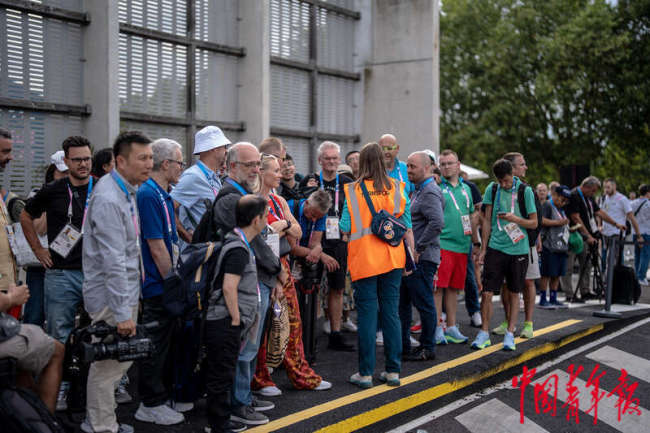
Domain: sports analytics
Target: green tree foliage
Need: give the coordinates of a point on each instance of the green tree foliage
(561, 81)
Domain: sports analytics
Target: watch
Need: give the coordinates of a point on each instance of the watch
(477, 244)
(288, 225)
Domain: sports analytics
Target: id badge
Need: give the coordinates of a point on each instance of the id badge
(332, 228)
(593, 225)
(514, 232)
(467, 225)
(175, 253)
(273, 241)
(65, 241)
(565, 235)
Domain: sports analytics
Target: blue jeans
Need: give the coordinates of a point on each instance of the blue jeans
(380, 291)
(35, 306)
(247, 360)
(471, 287)
(63, 294)
(642, 257)
(417, 288)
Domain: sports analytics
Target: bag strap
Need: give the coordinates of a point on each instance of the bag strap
(208, 253)
(639, 208)
(367, 197)
(521, 199)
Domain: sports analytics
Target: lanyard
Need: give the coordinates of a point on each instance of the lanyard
(590, 207)
(420, 188)
(512, 202)
(134, 218)
(453, 198)
(83, 219)
(559, 212)
(336, 194)
(311, 226)
(209, 175)
(152, 184)
(252, 252)
(237, 186)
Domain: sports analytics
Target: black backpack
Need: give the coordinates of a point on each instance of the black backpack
(521, 200)
(21, 411)
(206, 230)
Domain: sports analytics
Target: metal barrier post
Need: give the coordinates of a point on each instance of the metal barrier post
(612, 256)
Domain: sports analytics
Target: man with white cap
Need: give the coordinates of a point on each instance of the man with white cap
(199, 182)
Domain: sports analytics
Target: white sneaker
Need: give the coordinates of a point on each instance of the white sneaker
(269, 391)
(180, 406)
(349, 326)
(323, 386)
(476, 320)
(380, 339)
(644, 282)
(163, 415)
(326, 327)
(122, 428)
(414, 342)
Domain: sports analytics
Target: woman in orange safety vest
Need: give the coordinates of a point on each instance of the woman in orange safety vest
(375, 267)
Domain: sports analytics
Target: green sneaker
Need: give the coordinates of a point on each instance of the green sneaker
(501, 329)
(527, 332)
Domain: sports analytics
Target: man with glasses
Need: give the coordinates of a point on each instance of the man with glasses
(159, 243)
(65, 201)
(394, 167)
(199, 182)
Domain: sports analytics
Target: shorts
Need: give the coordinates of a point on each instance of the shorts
(452, 270)
(499, 266)
(553, 264)
(336, 279)
(532, 273)
(32, 348)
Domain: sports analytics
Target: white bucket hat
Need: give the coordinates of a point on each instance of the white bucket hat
(209, 138)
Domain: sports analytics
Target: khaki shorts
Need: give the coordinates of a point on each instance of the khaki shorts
(32, 348)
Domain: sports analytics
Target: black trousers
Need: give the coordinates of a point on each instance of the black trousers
(155, 373)
(223, 343)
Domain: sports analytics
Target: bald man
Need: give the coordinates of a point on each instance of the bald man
(394, 167)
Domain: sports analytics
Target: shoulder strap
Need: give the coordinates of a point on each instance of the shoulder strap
(636, 212)
(494, 192)
(367, 197)
(521, 199)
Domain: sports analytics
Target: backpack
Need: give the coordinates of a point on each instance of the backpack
(186, 288)
(626, 288)
(521, 200)
(206, 230)
(21, 411)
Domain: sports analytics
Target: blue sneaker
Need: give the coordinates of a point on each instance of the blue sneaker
(453, 335)
(440, 336)
(509, 342)
(482, 340)
(543, 303)
(559, 304)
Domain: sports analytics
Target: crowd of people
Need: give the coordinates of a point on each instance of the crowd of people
(384, 237)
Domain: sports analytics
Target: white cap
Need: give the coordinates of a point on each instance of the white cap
(209, 138)
(57, 159)
(432, 155)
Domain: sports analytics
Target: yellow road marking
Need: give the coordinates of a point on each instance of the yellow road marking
(406, 403)
(436, 369)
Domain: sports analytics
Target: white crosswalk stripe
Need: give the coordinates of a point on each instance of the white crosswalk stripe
(635, 365)
(495, 416)
(607, 410)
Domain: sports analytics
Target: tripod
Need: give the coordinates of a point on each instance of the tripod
(593, 257)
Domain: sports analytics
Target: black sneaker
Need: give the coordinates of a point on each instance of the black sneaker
(588, 296)
(420, 354)
(230, 427)
(336, 342)
(248, 416)
(261, 405)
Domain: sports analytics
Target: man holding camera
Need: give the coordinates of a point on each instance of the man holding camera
(113, 270)
(159, 255)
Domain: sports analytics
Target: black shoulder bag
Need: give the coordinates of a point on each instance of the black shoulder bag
(384, 225)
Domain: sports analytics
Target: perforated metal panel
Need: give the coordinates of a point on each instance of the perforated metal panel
(153, 76)
(298, 148)
(169, 16)
(336, 41)
(41, 59)
(216, 86)
(290, 29)
(155, 131)
(290, 98)
(36, 136)
(72, 5)
(336, 105)
(216, 21)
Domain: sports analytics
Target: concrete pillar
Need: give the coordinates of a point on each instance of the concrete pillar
(254, 69)
(398, 83)
(101, 72)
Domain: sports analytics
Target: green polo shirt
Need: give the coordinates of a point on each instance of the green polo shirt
(499, 239)
(452, 237)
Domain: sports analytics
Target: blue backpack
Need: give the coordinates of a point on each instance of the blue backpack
(187, 288)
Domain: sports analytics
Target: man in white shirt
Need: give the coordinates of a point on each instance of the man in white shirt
(641, 211)
(618, 207)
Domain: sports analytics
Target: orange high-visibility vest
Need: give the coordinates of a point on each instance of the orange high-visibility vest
(368, 255)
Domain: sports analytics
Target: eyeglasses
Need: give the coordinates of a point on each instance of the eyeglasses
(180, 163)
(249, 164)
(80, 160)
(388, 148)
